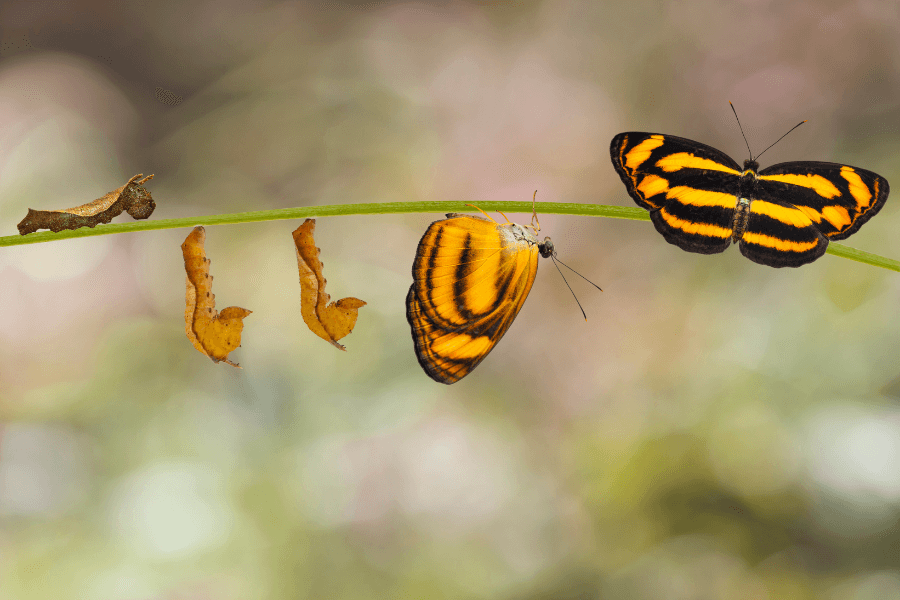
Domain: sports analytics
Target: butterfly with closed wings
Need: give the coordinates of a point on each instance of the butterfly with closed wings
(471, 277)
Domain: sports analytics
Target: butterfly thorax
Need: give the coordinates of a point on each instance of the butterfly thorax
(747, 191)
(524, 234)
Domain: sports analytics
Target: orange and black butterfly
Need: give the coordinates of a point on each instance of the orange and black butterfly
(471, 277)
(783, 216)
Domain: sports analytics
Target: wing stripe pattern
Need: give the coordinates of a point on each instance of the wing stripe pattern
(788, 215)
(640, 153)
(816, 183)
(685, 160)
(858, 189)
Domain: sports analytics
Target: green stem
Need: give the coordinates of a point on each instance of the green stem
(561, 208)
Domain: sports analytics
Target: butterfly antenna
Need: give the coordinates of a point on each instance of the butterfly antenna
(569, 286)
(742, 131)
(484, 213)
(782, 137)
(579, 274)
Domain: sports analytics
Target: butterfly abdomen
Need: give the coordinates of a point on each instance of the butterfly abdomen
(747, 192)
(741, 217)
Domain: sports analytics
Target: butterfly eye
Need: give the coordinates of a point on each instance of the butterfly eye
(547, 249)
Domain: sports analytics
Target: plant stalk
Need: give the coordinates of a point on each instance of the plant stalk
(334, 210)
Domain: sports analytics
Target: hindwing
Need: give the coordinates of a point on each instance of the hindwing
(779, 234)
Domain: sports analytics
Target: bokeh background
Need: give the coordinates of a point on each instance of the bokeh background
(716, 429)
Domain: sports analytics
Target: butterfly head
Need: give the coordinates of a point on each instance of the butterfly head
(751, 166)
(546, 248)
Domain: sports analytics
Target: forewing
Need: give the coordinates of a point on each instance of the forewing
(779, 234)
(837, 198)
(650, 164)
(461, 272)
(689, 188)
(456, 322)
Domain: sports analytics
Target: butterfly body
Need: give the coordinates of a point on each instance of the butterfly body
(471, 277)
(782, 216)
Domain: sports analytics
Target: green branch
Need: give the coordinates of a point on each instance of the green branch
(586, 210)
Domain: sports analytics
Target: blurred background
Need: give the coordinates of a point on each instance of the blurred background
(716, 429)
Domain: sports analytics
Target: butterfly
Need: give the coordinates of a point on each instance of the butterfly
(471, 276)
(782, 216)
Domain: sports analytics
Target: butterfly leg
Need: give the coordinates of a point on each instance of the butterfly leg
(534, 217)
(485, 214)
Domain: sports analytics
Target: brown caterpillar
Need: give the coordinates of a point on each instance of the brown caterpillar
(131, 198)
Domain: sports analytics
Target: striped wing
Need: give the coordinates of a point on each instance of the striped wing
(471, 278)
(779, 234)
(689, 188)
(837, 198)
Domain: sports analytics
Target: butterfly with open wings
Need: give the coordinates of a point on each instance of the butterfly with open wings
(782, 216)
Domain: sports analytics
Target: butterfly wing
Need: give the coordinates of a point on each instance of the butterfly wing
(471, 278)
(779, 234)
(689, 188)
(837, 198)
